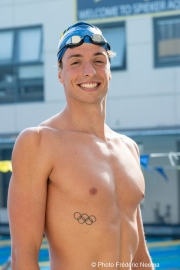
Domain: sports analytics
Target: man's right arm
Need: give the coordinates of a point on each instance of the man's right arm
(32, 165)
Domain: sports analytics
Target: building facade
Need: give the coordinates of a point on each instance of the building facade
(144, 96)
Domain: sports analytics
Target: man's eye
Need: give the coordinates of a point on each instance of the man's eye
(75, 63)
(99, 61)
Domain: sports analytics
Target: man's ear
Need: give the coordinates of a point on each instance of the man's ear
(60, 76)
(110, 76)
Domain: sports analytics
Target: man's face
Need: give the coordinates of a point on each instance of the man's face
(85, 73)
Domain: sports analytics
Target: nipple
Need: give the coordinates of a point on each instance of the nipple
(93, 191)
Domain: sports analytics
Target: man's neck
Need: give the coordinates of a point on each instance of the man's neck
(89, 118)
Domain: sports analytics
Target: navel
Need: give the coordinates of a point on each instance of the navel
(93, 191)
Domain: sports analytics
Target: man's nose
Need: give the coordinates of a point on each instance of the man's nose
(88, 69)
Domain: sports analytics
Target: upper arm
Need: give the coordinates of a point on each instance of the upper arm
(27, 191)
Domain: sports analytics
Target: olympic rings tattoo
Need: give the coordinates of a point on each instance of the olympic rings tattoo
(84, 218)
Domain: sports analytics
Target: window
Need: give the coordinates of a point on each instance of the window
(21, 65)
(115, 35)
(167, 41)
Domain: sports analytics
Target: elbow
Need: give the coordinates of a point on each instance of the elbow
(21, 259)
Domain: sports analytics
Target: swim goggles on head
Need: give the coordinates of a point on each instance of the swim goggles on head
(78, 34)
(96, 39)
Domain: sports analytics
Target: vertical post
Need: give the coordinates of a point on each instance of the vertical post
(178, 178)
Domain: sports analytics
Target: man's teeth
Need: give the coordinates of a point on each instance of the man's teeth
(89, 85)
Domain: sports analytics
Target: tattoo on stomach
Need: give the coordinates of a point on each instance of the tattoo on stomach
(84, 218)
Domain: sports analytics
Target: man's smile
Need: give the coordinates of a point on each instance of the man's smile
(89, 85)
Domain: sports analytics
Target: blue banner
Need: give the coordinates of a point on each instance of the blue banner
(161, 172)
(102, 9)
(144, 161)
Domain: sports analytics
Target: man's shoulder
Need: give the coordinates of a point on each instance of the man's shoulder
(34, 137)
(40, 132)
(123, 138)
(34, 145)
(52, 122)
(31, 134)
(127, 142)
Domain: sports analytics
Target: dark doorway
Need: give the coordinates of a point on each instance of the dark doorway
(5, 154)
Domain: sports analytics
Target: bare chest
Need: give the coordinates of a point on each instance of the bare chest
(92, 173)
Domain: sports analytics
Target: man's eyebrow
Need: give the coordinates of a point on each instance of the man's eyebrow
(75, 55)
(99, 53)
(80, 55)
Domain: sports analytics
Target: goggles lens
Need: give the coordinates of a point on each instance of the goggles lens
(74, 40)
(78, 40)
(98, 38)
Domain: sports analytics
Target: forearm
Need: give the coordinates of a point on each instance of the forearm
(24, 261)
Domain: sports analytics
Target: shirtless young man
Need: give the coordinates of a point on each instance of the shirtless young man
(74, 178)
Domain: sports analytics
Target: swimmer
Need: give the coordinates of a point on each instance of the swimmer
(74, 178)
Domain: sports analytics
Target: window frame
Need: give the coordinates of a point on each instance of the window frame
(114, 25)
(15, 64)
(157, 63)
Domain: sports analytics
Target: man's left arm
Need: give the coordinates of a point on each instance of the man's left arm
(142, 259)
